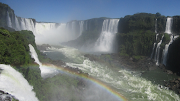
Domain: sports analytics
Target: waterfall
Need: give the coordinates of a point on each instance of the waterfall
(153, 50)
(22, 23)
(156, 26)
(14, 83)
(86, 25)
(17, 24)
(75, 28)
(156, 39)
(42, 27)
(109, 29)
(29, 25)
(81, 23)
(156, 58)
(35, 56)
(165, 51)
(45, 71)
(9, 23)
(168, 25)
(168, 30)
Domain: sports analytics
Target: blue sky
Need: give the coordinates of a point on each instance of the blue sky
(66, 10)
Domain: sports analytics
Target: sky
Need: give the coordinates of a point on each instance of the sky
(62, 11)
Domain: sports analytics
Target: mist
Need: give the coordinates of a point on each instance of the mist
(85, 90)
(54, 36)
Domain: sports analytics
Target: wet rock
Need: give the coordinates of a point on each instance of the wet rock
(178, 91)
(179, 79)
(43, 46)
(169, 72)
(1, 92)
(177, 85)
(176, 81)
(4, 96)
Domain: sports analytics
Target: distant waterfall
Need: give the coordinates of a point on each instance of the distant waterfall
(23, 24)
(81, 24)
(14, 83)
(28, 24)
(156, 26)
(105, 42)
(20, 23)
(75, 28)
(17, 24)
(9, 23)
(169, 25)
(42, 27)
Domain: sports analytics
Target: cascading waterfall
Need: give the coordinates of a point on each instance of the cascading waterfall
(168, 25)
(168, 31)
(165, 51)
(156, 39)
(105, 42)
(35, 56)
(156, 58)
(45, 71)
(14, 83)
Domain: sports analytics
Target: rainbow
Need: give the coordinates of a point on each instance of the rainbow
(85, 76)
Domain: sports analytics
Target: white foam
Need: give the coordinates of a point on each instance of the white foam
(13, 82)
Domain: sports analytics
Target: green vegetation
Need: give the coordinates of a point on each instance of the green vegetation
(14, 47)
(139, 21)
(142, 21)
(136, 43)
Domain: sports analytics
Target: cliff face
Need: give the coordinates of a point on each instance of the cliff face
(173, 61)
(176, 25)
(3, 12)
